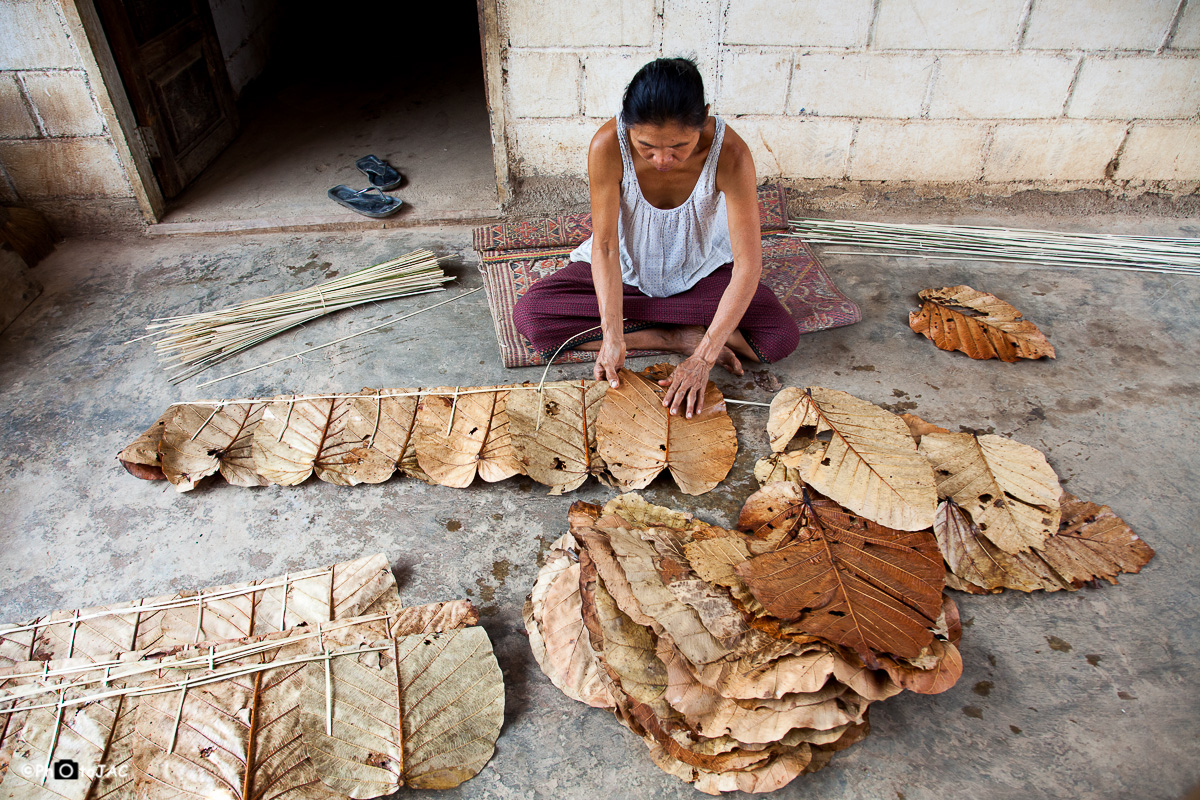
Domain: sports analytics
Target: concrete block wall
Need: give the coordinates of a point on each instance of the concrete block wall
(1054, 93)
(56, 151)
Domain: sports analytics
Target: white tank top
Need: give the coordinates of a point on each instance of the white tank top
(665, 251)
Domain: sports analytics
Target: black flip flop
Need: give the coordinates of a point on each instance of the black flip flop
(373, 205)
(381, 174)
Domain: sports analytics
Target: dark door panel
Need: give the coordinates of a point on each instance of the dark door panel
(170, 62)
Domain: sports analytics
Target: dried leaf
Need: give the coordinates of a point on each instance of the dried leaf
(713, 554)
(1006, 487)
(557, 560)
(919, 427)
(81, 734)
(987, 328)
(478, 438)
(870, 465)
(443, 702)
(141, 458)
(760, 721)
(1092, 543)
(554, 432)
(387, 424)
(849, 580)
(976, 565)
(448, 616)
(298, 437)
(200, 439)
(638, 438)
(944, 670)
(636, 558)
(573, 666)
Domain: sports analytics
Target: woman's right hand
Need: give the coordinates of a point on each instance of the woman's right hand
(609, 360)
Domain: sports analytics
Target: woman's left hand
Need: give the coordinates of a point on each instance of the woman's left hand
(685, 389)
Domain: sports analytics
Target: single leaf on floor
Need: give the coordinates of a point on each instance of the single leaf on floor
(201, 439)
(387, 423)
(478, 438)
(848, 580)
(442, 704)
(870, 464)
(1093, 543)
(638, 438)
(142, 458)
(554, 432)
(1006, 487)
(297, 438)
(978, 324)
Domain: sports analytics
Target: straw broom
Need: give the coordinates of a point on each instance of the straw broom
(191, 343)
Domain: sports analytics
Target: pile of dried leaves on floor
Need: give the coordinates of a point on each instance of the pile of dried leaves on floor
(558, 434)
(747, 657)
(316, 685)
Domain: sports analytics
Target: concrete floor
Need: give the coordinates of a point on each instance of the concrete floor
(1084, 695)
(305, 131)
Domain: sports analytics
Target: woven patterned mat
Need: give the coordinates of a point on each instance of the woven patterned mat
(512, 255)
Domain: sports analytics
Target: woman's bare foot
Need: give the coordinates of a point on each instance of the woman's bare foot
(686, 338)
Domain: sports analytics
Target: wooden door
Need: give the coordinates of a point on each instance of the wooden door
(171, 64)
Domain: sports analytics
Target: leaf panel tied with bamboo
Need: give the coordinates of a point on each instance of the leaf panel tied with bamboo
(557, 433)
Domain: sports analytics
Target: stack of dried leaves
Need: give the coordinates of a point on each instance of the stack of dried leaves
(995, 505)
(317, 685)
(743, 658)
(979, 324)
(558, 434)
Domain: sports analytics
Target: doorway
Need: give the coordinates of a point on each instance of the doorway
(343, 80)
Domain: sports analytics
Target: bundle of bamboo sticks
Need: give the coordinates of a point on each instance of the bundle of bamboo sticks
(1162, 254)
(193, 342)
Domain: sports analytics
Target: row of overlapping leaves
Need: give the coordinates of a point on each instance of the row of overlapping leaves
(315, 686)
(558, 434)
(747, 657)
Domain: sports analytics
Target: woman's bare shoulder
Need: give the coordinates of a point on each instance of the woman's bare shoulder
(604, 152)
(735, 156)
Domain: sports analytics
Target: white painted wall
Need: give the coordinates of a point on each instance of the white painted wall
(1057, 93)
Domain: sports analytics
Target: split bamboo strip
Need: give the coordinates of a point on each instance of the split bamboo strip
(1158, 254)
(191, 343)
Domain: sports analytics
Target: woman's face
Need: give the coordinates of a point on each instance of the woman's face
(665, 146)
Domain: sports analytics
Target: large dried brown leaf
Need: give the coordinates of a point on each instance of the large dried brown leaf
(464, 434)
(141, 458)
(944, 669)
(297, 438)
(638, 438)
(1091, 543)
(201, 439)
(425, 715)
(848, 580)
(571, 663)
(387, 423)
(979, 324)
(1006, 487)
(870, 464)
(554, 432)
(626, 649)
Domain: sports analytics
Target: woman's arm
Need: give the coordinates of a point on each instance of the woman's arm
(604, 181)
(736, 178)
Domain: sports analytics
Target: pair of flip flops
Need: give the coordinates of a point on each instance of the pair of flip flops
(371, 201)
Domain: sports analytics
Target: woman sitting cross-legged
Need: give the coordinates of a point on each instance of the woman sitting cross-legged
(675, 255)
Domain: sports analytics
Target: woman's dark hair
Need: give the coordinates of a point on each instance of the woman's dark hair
(669, 90)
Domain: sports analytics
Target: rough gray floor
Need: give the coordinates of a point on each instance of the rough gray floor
(306, 138)
(1090, 695)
